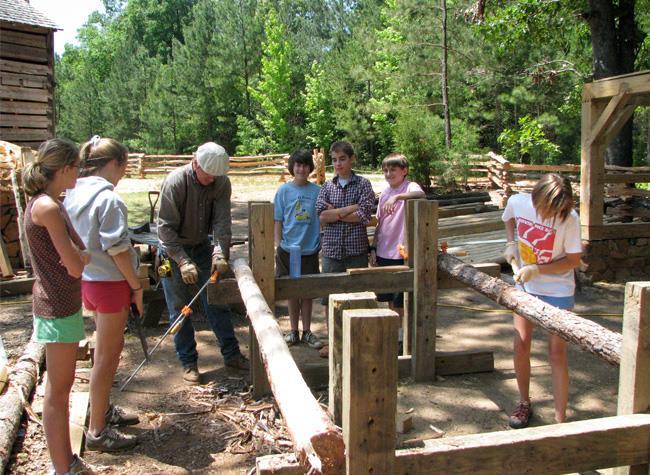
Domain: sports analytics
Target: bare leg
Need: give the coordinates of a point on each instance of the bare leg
(61, 362)
(521, 358)
(294, 313)
(557, 355)
(110, 341)
(305, 313)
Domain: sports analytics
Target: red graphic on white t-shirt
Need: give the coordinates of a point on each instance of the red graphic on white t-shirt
(539, 238)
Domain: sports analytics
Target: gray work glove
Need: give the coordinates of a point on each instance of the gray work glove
(220, 265)
(189, 272)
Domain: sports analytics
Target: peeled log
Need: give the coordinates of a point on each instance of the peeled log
(318, 443)
(20, 384)
(584, 333)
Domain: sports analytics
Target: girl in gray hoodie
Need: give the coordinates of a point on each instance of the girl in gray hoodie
(109, 283)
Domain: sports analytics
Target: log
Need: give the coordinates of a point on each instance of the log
(586, 334)
(22, 379)
(24, 244)
(317, 442)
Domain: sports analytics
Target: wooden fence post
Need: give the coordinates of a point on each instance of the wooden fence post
(337, 304)
(634, 384)
(262, 263)
(369, 390)
(409, 310)
(425, 289)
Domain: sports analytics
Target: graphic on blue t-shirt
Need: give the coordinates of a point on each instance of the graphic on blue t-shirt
(302, 213)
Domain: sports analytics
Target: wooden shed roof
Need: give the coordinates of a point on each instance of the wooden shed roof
(21, 12)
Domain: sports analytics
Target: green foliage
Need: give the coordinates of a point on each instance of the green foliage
(321, 124)
(528, 143)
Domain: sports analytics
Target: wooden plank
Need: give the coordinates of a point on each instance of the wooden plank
(637, 83)
(78, 416)
(21, 135)
(278, 464)
(425, 292)
(25, 53)
(263, 266)
(337, 304)
(21, 107)
(626, 178)
(369, 390)
(409, 302)
(377, 270)
(616, 231)
(27, 121)
(618, 123)
(633, 387)
(24, 80)
(565, 167)
(558, 448)
(23, 38)
(5, 264)
(16, 286)
(592, 164)
(27, 68)
(24, 94)
(311, 286)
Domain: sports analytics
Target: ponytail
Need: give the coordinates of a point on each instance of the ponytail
(52, 156)
(98, 152)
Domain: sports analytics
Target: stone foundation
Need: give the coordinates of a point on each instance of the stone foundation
(615, 260)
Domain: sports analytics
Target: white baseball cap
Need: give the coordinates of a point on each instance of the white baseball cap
(213, 159)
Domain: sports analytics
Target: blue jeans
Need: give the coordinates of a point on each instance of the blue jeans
(178, 294)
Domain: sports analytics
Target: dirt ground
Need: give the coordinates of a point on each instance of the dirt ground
(218, 428)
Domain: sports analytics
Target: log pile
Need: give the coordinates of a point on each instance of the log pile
(10, 159)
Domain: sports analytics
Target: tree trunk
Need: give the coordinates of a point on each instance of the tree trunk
(445, 79)
(318, 443)
(614, 40)
(586, 334)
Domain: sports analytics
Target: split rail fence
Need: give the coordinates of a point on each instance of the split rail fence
(142, 165)
(363, 381)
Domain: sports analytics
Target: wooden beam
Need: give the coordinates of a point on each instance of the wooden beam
(608, 115)
(636, 83)
(24, 53)
(626, 178)
(584, 333)
(21, 107)
(260, 223)
(633, 387)
(16, 286)
(618, 123)
(558, 448)
(425, 292)
(369, 390)
(5, 264)
(592, 165)
(226, 292)
(409, 301)
(26, 68)
(23, 38)
(317, 442)
(78, 415)
(337, 304)
(616, 231)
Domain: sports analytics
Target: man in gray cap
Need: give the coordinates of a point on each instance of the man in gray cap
(194, 201)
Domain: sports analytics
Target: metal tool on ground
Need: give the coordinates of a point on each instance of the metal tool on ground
(134, 325)
(173, 328)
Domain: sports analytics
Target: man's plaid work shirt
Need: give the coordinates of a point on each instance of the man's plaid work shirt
(341, 239)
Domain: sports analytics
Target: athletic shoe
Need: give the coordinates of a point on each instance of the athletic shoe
(116, 416)
(110, 440)
(292, 337)
(78, 466)
(311, 340)
(191, 374)
(521, 415)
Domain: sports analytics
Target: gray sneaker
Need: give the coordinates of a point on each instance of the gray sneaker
(78, 466)
(292, 337)
(311, 340)
(110, 440)
(116, 416)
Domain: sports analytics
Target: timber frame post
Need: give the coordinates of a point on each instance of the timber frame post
(634, 373)
(261, 259)
(607, 105)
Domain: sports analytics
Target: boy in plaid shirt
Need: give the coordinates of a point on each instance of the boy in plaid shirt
(344, 206)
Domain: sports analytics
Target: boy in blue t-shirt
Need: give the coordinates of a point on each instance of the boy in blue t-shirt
(297, 224)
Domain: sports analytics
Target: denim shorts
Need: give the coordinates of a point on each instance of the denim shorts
(564, 303)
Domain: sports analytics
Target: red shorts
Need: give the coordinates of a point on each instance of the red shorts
(106, 296)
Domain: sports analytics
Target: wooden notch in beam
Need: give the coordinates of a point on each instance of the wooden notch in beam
(318, 443)
(584, 333)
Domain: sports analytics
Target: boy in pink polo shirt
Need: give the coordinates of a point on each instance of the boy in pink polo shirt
(389, 233)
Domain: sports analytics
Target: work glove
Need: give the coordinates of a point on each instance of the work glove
(526, 273)
(220, 265)
(511, 252)
(189, 272)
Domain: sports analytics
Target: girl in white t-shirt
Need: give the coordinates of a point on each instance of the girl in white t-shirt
(547, 250)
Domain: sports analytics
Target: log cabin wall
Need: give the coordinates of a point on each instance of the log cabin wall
(26, 74)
